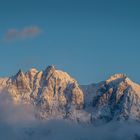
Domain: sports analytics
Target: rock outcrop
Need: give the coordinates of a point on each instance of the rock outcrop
(55, 94)
(117, 98)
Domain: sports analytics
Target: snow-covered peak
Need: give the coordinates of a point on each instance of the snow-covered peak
(19, 78)
(116, 77)
(31, 73)
(56, 94)
(33, 70)
(133, 85)
(50, 68)
(20, 73)
(63, 76)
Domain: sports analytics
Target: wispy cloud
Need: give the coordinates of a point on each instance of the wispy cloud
(24, 33)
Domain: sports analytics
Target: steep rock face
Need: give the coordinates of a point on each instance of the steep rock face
(57, 93)
(116, 98)
(53, 92)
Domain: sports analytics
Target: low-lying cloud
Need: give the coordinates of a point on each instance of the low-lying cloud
(17, 122)
(13, 113)
(25, 33)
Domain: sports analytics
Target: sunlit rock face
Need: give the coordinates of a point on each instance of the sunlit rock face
(53, 92)
(117, 98)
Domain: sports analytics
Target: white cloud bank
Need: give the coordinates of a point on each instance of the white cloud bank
(17, 122)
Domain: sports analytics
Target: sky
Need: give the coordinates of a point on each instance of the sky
(89, 39)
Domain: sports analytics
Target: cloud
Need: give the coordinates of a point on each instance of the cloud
(25, 33)
(14, 113)
(17, 122)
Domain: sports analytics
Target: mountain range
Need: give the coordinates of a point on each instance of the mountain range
(54, 94)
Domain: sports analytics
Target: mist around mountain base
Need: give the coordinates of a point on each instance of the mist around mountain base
(17, 122)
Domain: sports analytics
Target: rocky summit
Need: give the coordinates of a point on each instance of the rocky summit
(54, 94)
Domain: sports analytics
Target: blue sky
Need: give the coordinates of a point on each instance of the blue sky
(90, 39)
